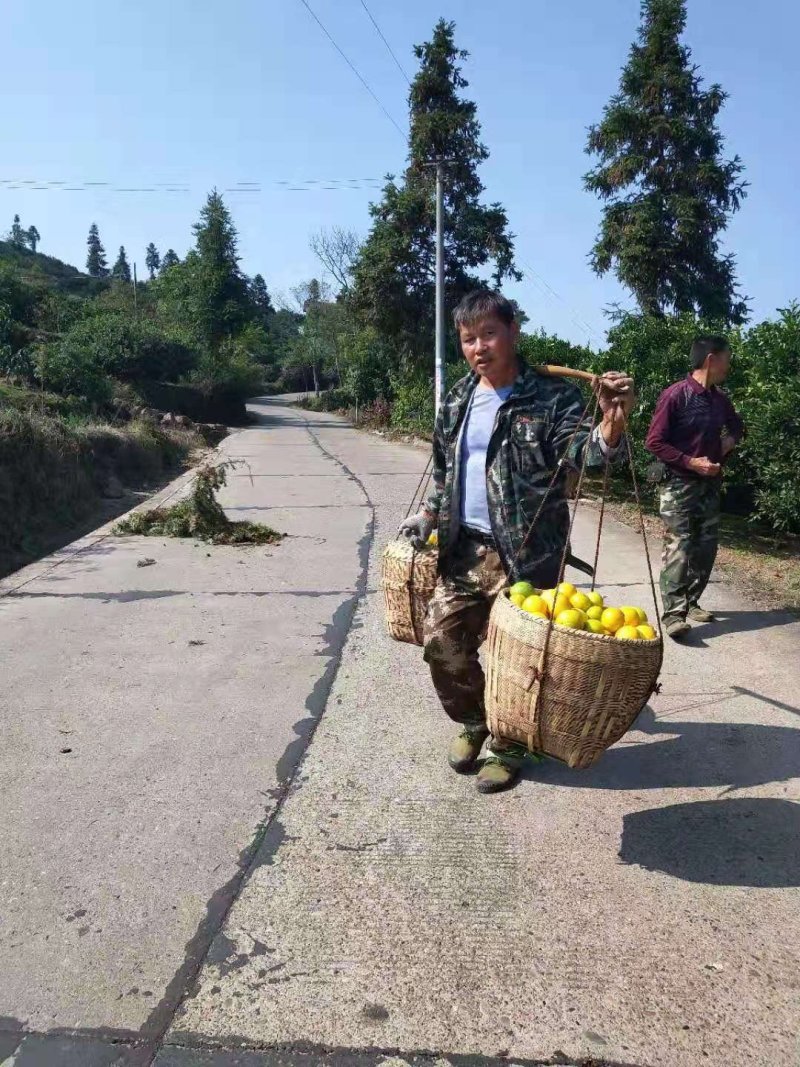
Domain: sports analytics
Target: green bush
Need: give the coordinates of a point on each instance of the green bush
(766, 391)
(72, 370)
(230, 372)
(127, 349)
(539, 348)
(109, 345)
(367, 363)
(413, 404)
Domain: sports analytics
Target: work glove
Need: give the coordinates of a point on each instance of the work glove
(417, 529)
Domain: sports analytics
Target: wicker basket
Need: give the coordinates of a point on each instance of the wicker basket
(571, 697)
(408, 578)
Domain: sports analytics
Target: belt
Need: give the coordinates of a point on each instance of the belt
(480, 536)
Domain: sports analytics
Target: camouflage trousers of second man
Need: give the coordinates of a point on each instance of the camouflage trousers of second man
(455, 628)
(690, 511)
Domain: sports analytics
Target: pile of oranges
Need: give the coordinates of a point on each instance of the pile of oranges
(576, 610)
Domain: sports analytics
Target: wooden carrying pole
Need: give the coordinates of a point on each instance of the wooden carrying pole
(567, 372)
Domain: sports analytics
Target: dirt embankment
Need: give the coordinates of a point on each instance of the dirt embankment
(60, 477)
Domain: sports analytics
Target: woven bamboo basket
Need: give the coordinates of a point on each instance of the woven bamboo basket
(569, 697)
(408, 578)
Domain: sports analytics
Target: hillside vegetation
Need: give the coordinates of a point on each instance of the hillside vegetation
(89, 363)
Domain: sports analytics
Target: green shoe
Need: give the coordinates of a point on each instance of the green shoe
(698, 614)
(677, 628)
(465, 749)
(496, 775)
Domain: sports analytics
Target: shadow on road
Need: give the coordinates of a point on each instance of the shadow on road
(748, 841)
(738, 842)
(121, 596)
(692, 755)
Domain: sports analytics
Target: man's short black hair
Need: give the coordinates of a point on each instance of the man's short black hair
(480, 304)
(705, 346)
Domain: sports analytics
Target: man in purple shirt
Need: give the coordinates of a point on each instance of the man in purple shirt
(694, 429)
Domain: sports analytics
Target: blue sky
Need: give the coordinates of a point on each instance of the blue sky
(198, 93)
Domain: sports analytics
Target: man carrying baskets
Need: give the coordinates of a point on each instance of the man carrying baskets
(503, 434)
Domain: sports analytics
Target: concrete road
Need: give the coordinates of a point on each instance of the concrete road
(255, 854)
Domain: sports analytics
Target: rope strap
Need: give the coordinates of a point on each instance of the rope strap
(427, 473)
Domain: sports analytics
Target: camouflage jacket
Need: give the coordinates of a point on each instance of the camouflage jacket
(531, 436)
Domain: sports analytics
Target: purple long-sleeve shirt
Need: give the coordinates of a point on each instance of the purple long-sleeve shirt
(689, 422)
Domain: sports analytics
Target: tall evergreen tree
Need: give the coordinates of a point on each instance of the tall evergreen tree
(17, 234)
(33, 237)
(152, 260)
(223, 302)
(121, 269)
(394, 281)
(667, 189)
(259, 294)
(96, 262)
(170, 259)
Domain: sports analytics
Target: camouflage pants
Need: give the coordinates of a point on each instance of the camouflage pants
(690, 510)
(455, 628)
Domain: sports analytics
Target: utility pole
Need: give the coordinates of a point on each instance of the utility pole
(439, 378)
(135, 296)
(440, 164)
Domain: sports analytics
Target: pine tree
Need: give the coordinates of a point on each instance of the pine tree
(223, 303)
(668, 192)
(259, 294)
(33, 237)
(96, 262)
(394, 283)
(152, 260)
(17, 235)
(170, 260)
(121, 270)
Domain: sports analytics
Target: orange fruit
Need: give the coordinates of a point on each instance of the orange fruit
(523, 588)
(612, 619)
(568, 589)
(580, 601)
(536, 605)
(594, 626)
(556, 602)
(571, 618)
(594, 612)
(647, 633)
(595, 598)
(628, 633)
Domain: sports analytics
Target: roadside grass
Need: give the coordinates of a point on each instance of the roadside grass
(200, 516)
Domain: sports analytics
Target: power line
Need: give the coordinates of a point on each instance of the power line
(304, 185)
(545, 287)
(352, 67)
(388, 46)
